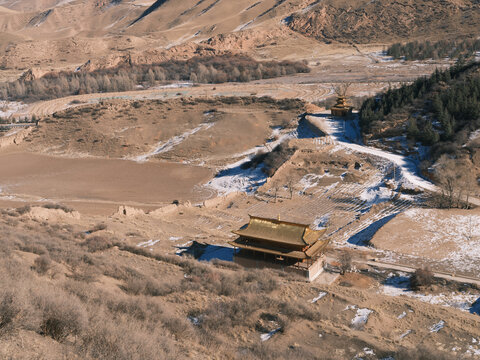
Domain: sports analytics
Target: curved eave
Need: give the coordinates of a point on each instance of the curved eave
(291, 254)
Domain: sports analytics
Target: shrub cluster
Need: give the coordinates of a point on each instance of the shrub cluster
(271, 160)
(421, 50)
(213, 69)
(422, 277)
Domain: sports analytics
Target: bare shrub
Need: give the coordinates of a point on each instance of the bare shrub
(159, 288)
(140, 308)
(421, 353)
(225, 264)
(178, 326)
(296, 310)
(271, 351)
(9, 308)
(125, 341)
(85, 273)
(224, 315)
(62, 314)
(134, 286)
(38, 249)
(98, 243)
(58, 207)
(98, 227)
(422, 277)
(42, 264)
(23, 210)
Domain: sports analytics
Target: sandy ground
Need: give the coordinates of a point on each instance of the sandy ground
(39, 177)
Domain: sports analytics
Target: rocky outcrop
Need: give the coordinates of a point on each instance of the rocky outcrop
(390, 20)
(32, 74)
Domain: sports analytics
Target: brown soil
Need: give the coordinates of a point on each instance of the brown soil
(32, 176)
(127, 129)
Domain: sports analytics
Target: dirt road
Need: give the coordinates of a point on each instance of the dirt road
(411, 269)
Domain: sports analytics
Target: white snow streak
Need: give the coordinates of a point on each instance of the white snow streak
(147, 243)
(267, 336)
(163, 147)
(437, 327)
(321, 294)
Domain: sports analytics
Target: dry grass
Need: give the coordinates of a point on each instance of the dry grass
(98, 243)
(134, 303)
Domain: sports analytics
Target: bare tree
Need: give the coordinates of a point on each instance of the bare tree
(290, 185)
(456, 180)
(345, 260)
(341, 89)
(447, 178)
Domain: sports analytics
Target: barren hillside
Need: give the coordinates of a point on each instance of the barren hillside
(66, 34)
(384, 21)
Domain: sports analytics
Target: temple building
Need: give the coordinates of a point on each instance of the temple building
(274, 243)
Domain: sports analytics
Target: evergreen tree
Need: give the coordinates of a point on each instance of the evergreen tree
(412, 129)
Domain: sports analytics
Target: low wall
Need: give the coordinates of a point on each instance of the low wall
(313, 126)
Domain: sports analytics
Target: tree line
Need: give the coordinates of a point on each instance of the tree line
(447, 103)
(422, 50)
(212, 69)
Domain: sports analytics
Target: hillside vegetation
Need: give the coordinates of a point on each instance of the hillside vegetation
(443, 108)
(422, 50)
(210, 69)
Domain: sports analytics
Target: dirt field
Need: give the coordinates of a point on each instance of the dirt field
(132, 129)
(31, 176)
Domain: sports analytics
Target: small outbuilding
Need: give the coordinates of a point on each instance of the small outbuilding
(291, 246)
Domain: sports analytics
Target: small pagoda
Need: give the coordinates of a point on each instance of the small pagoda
(341, 108)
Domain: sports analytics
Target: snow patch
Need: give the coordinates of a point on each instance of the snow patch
(376, 195)
(267, 336)
(400, 285)
(8, 108)
(148, 243)
(321, 294)
(234, 178)
(311, 180)
(437, 327)
(347, 134)
(459, 233)
(173, 86)
(361, 318)
(321, 222)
